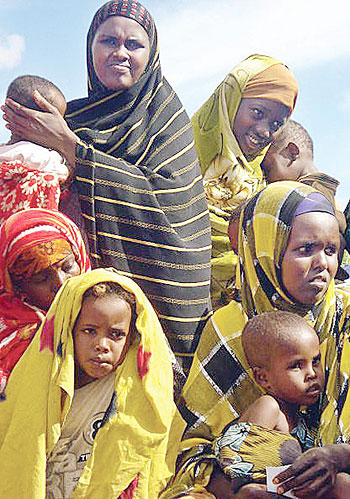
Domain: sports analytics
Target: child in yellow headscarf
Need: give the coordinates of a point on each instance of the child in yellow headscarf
(90, 404)
(232, 131)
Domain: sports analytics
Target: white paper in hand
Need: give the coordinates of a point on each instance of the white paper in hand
(271, 472)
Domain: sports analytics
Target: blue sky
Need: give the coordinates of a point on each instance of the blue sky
(200, 40)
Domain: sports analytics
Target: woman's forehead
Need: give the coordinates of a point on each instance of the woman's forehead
(118, 25)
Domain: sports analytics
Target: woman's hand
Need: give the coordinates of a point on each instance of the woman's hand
(47, 128)
(313, 474)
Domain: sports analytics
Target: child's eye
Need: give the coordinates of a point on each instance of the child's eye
(88, 330)
(295, 365)
(316, 361)
(306, 249)
(257, 112)
(331, 250)
(117, 335)
(276, 125)
(110, 41)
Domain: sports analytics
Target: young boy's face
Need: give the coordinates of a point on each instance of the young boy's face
(295, 372)
(101, 336)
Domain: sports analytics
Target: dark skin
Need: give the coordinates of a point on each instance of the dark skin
(316, 474)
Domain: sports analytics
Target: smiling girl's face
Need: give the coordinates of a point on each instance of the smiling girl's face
(120, 52)
(256, 124)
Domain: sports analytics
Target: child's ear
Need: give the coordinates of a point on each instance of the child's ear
(260, 376)
(293, 151)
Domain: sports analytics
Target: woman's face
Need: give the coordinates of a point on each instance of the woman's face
(120, 52)
(256, 124)
(311, 258)
(41, 288)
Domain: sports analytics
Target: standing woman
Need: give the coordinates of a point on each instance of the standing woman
(232, 131)
(132, 153)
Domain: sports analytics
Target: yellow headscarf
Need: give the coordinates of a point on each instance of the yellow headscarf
(220, 385)
(133, 442)
(276, 83)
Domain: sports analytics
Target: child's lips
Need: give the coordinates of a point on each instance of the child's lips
(254, 142)
(99, 361)
(314, 389)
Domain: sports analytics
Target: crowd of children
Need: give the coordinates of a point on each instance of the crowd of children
(108, 385)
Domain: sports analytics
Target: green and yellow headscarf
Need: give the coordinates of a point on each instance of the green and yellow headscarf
(229, 178)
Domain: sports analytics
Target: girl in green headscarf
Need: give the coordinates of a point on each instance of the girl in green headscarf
(232, 131)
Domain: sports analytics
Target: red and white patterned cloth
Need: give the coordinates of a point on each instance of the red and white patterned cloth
(30, 177)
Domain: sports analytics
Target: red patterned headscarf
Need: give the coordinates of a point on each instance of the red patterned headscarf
(32, 227)
(18, 234)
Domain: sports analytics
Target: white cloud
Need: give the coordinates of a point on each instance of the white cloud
(11, 50)
(205, 39)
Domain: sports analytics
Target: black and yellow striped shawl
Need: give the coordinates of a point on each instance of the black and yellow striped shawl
(142, 196)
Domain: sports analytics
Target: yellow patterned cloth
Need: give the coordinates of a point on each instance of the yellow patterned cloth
(132, 443)
(229, 178)
(245, 449)
(220, 385)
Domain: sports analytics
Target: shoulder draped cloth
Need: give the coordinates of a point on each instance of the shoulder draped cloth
(134, 440)
(220, 385)
(141, 191)
(20, 233)
(229, 177)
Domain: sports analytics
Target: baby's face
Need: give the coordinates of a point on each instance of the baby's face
(295, 373)
(276, 165)
(101, 336)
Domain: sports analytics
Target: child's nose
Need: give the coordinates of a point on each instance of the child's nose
(311, 373)
(264, 130)
(101, 345)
